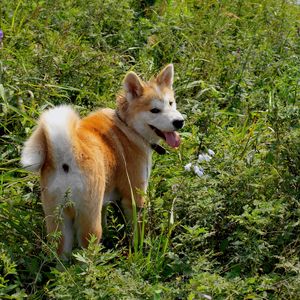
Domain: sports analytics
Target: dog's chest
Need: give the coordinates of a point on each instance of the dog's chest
(147, 169)
(144, 172)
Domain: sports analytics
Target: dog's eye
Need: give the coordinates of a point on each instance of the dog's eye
(171, 103)
(155, 110)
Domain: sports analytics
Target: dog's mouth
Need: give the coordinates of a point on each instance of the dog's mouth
(172, 138)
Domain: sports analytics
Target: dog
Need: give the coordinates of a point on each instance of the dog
(102, 157)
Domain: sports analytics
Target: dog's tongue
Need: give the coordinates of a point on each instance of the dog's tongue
(172, 139)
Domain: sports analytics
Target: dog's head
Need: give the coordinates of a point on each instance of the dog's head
(150, 108)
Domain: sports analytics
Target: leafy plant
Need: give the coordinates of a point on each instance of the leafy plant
(227, 230)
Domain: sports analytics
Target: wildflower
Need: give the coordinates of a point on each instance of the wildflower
(211, 152)
(1, 35)
(198, 171)
(201, 157)
(188, 167)
(204, 157)
(207, 157)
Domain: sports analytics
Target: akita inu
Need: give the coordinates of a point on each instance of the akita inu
(102, 157)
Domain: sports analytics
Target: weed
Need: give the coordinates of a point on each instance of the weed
(228, 229)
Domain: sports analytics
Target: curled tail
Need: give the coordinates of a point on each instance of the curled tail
(52, 139)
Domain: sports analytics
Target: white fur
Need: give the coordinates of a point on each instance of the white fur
(55, 121)
(57, 124)
(68, 234)
(162, 120)
(33, 155)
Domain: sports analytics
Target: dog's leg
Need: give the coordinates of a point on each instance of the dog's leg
(127, 207)
(89, 220)
(89, 224)
(57, 222)
(68, 234)
(133, 192)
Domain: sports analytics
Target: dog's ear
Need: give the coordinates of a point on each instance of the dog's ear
(133, 86)
(166, 76)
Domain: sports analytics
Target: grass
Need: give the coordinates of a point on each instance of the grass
(232, 233)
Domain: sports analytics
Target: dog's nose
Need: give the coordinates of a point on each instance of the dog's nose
(178, 124)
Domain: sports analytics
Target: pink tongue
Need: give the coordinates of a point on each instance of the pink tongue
(172, 139)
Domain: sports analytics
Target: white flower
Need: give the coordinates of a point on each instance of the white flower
(188, 167)
(198, 171)
(201, 157)
(211, 152)
(204, 157)
(207, 157)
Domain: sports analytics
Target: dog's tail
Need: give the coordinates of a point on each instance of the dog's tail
(52, 139)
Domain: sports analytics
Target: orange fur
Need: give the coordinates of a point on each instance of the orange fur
(106, 154)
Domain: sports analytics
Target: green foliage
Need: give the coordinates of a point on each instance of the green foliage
(230, 233)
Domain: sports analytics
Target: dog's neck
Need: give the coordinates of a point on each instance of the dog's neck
(157, 148)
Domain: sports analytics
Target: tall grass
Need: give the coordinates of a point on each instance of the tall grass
(230, 232)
